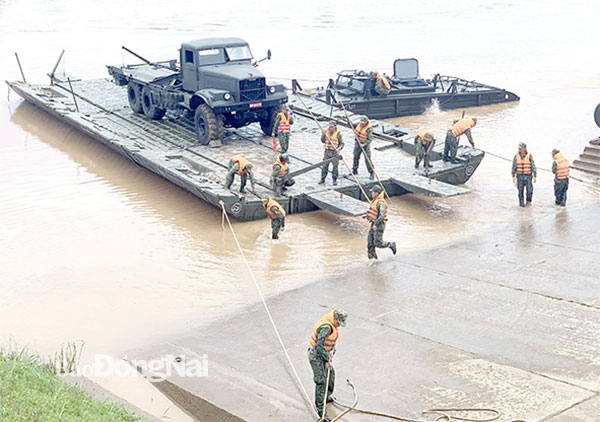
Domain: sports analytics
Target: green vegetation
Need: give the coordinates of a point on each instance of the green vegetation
(29, 391)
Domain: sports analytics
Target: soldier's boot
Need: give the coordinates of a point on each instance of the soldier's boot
(330, 399)
(426, 163)
(372, 255)
(372, 176)
(417, 162)
(322, 182)
(334, 182)
(275, 236)
(355, 171)
(393, 247)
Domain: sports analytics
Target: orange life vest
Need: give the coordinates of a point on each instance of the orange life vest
(462, 126)
(362, 132)
(242, 162)
(331, 141)
(273, 203)
(421, 135)
(328, 319)
(284, 123)
(374, 209)
(523, 164)
(283, 167)
(384, 80)
(562, 166)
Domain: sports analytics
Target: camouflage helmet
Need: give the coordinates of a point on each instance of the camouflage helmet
(332, 123)
(522, 145)
(340, 316)
(428, 136)
(363, 120)
(376, 189)
(555, 151)
(284, 157)
(474, 120)
(285, 107)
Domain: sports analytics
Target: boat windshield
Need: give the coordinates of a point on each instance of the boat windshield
(241, 52)
(348, 82)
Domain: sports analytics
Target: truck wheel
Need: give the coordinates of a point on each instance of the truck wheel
(597, 115)
(266, 124)
(208, 125)
(134, 95)
(151, 111)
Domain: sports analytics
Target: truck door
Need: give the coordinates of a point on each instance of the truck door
(189, 69)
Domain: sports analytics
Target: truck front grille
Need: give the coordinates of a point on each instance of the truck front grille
(252, 90)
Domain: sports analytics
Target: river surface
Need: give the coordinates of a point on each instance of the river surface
(95, 248)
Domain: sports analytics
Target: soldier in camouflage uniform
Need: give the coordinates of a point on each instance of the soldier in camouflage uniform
(363, 135)
(424, 142)
(332, 138)
(382, 85)
(280, 178)
(276, 213)
(523, 170)
(377, 215)
(241, 166)
(320, 354)
(458, 128)
(281, 126)
(560, 168)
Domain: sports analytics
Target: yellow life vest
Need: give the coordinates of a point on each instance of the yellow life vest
(523, 164)
(284, 122)
(374, 209)
(362, 132)
(242, 162)
(562, 166)
(383, 80)
(461, 126)
(328, 319)
(273, 203)
(283, 167)
(331, 141)
(421, 135)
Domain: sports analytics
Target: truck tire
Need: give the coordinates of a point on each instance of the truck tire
(266, 124)
(208, 125)
(151, 111)
(134, 95)
(597, 115)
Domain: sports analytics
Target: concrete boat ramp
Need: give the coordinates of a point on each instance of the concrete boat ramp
(168, 148)
(508, 320)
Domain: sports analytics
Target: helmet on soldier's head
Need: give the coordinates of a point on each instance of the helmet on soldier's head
(249, 165)
(285, 107)
(364, 119)
(376, 189)
(428, 137)
(522, 145)
(555, 151)
(340, 316)
(332, 123)
(284, 157)
(474, 120)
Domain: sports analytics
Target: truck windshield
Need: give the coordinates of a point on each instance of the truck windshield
(241, 52)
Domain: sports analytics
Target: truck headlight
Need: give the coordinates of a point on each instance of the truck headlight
(272, 90)
(227, 96)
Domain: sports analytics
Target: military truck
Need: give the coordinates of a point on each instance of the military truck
(215, 82)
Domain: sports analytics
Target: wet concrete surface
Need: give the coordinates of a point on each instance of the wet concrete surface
(508, 320)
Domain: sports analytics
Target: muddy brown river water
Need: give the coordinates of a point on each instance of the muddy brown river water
(95, 248)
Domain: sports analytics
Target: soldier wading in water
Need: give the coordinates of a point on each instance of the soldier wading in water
(377, 215)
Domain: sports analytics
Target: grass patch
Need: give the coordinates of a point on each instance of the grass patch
(29, 391)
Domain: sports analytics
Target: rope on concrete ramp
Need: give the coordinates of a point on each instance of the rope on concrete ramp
(262, 298)
(444, 415)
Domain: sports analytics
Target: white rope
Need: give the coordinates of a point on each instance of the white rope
(268, 311)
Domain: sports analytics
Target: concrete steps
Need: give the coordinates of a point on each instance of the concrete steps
(589, 161)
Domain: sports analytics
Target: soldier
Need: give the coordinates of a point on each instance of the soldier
(280, 178)
(382, 85)
(458, 128)
(281, 126)
(424, 142)
(320, 354)
(377, 215)
(363, 135)
(332, 138)
(241, 166)
(276, 213)
(523, 168)
(560, 168)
